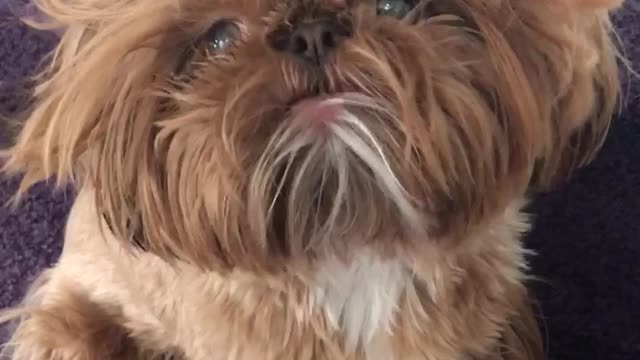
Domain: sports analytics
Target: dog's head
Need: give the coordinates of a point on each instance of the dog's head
(259, 134)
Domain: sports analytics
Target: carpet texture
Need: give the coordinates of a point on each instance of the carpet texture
(587, 233)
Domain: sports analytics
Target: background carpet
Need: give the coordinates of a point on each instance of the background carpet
(587, 234)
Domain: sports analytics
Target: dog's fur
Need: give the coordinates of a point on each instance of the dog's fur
(213, 221)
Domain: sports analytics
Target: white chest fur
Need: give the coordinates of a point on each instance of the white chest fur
(360, 298)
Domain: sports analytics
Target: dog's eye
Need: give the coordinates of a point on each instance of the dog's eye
(221, 36)
(395, 8)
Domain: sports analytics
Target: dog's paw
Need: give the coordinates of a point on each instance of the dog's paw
(69, 326)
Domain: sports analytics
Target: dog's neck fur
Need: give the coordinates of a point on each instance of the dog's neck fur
(377, 308)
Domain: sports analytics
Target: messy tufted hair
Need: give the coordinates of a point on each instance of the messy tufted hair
(472, 102)
(452, 114)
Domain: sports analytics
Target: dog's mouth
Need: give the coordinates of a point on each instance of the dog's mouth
(321, 111)
(305, 177)
(302, 215)
(325, 181)
(325, 109)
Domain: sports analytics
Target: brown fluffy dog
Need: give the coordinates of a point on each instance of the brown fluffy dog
(305, 179)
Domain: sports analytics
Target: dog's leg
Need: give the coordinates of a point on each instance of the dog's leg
(66, 325)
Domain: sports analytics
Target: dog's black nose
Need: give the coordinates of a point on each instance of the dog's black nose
(312, 41)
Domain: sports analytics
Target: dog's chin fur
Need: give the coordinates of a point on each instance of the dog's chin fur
(247, 205)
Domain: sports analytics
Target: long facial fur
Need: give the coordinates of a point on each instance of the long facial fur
(474, 102)
(458, 111)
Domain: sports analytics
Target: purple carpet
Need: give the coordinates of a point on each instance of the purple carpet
(587, 233)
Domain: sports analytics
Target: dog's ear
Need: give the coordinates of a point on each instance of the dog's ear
(97, 120)
(73, 102)
(584, 64)
(75, 106)
(93, 110)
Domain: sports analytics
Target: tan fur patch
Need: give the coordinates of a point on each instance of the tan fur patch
(69, 326)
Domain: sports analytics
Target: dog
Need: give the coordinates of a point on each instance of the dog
(304, 179)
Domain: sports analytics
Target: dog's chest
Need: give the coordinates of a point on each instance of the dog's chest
(207, 313)
(190, 309)
(360, 299)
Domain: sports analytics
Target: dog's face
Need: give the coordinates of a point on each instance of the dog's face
(263, 134)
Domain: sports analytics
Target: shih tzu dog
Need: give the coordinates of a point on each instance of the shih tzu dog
(304, 179)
